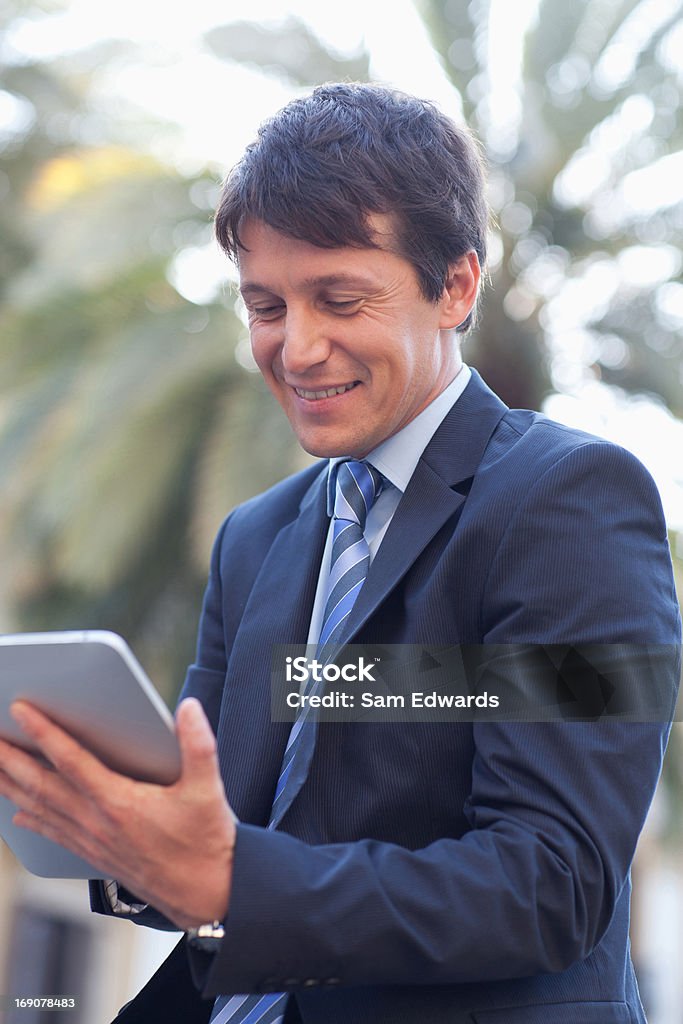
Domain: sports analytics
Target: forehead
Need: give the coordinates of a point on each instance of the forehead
(271, 255)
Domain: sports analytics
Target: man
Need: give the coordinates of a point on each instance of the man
(386, 872)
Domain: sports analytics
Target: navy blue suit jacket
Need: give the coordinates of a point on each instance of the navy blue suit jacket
(439, 872)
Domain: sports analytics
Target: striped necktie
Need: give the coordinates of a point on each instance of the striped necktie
(358, 484)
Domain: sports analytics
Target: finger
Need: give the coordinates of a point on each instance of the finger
(43, 816)
(23, 778)
(72, 761)
(71, 839)
(197, 743)
(29, 785)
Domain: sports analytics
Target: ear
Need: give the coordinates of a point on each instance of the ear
(460, 290)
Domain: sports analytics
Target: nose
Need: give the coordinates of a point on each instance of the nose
(305, 342)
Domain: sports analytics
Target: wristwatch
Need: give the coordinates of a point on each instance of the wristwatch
(206, 937)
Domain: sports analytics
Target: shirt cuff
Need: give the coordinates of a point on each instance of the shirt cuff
(118, 905)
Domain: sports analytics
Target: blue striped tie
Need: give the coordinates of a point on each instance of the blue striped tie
(357, 486)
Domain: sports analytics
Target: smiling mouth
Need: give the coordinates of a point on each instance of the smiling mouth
(326, 392)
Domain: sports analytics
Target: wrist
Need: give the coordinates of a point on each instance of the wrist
(206, 937)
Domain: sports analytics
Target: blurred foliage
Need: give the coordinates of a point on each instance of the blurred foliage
(127, 427)
(297, 54)
(597, 88)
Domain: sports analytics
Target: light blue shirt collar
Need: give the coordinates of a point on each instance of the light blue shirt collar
(397, 457)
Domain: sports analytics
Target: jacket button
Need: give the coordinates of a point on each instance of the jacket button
(310, 982)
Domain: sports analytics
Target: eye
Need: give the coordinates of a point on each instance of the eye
(267, 312)
(343, 305)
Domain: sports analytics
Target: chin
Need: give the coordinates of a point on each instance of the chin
(324, 451)
(330, 449)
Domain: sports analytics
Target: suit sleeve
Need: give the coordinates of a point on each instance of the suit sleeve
(555, 808)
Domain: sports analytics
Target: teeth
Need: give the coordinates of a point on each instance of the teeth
(328, 393)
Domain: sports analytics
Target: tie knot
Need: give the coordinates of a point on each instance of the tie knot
(358, 485)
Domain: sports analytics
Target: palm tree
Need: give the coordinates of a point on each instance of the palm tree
(127, 425)
(598, 99)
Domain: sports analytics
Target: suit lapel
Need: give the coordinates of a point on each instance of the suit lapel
(278, 611)
(281, 600)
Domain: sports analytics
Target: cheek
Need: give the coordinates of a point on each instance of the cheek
(406, 362)
(264, 350)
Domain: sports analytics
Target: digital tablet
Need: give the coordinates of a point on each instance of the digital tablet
(90, 683)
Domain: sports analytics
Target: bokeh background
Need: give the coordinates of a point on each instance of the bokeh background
(131, 415)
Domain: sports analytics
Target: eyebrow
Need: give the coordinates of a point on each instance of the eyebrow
(319, 281)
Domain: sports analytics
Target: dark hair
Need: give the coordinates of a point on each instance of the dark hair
(325, 162)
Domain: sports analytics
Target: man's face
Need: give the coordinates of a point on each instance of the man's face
(344, 338)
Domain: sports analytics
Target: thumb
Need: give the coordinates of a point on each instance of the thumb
(196, 740)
